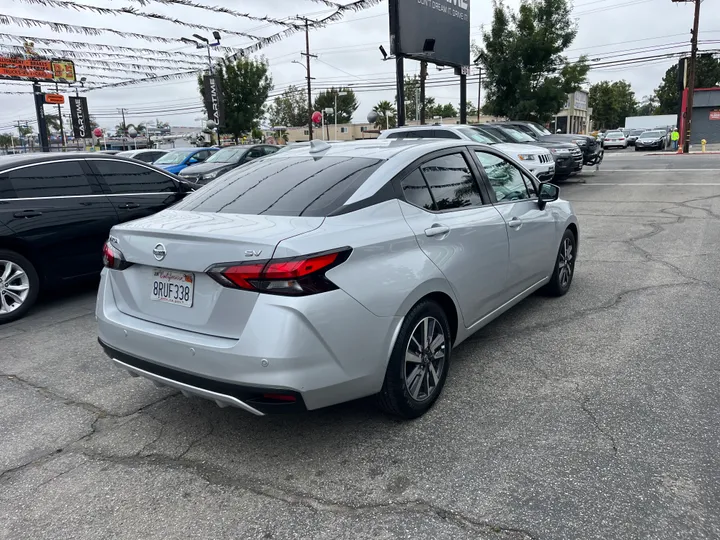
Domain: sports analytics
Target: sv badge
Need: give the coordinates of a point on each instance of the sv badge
(252, 253)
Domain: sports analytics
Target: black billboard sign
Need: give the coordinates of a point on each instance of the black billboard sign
(437, 31)
(214, 99)
(80, 117)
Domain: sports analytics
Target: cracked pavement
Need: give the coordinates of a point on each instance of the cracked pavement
(591, 416)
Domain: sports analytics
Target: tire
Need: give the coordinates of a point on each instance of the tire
(637, 149)
(402, 392)
(560, 281)
(18, 280)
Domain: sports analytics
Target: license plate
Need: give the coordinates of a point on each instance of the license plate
(173, 287)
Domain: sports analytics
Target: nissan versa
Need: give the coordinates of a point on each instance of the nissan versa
(327, 273)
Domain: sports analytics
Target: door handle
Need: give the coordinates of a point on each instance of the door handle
(515, 223)
(129, 206)
(437, 230)
(27, 214)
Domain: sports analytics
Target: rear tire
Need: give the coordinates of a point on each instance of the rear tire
(564, 266)
(418, 364)
(19, 286)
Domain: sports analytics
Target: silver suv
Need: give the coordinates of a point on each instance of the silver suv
(536, 159)
(327, 273)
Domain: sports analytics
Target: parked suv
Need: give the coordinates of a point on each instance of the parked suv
(538, 160)
(591, 148)
(568, 156)
(55, 214)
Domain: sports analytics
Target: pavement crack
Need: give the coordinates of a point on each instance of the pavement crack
(584, 401)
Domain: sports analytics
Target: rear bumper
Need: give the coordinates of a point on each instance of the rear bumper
(323, 349)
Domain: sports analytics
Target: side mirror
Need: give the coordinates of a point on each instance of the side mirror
(548, 193)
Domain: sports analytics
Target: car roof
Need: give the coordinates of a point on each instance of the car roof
(40, 157)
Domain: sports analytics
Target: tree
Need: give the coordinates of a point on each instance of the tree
(93, 123)
(53, 122)
(162, 126)
(445, 111)
(526, 75)
(611, 103)
(245, 85)
(412, 96)
(290, 109)
(6, 140)
(647, 106)
(707, 74)
(470, 109)
(387, 116)
(25, 130)
(346, 104)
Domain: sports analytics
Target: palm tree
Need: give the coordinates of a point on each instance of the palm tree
(386, 115)
(53, 122)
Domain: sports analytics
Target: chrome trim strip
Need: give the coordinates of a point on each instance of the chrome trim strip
(207, 394)
(509, 302)
(43, 162)
(166, 193)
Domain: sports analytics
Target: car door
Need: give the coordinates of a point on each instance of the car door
(253, 153)
(135, 190)
(57, 209)
(458, 229)
(530, 229)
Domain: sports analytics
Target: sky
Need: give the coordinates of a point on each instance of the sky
(347, 50)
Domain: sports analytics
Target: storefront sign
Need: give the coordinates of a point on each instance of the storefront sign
(36, 69)
(715, 115)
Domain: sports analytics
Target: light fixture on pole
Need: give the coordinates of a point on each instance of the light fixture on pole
(336, 114)
(205, 44)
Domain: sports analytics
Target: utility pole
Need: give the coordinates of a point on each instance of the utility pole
(423, 76)
(62, 130)
(124, 126)
(307, 56)
(479, 91)
(691, 76)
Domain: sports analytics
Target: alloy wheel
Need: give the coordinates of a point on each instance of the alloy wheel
(566, 263)
(424, 359)
(14, 286)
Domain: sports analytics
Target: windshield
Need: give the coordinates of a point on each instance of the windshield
(227, 155)
(479, 136)
(652, 134)
(516, 134)
(173, 158)
(537, 128)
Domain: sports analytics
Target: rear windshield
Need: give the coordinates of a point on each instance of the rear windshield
(284, 185)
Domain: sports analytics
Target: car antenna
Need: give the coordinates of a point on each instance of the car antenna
(318, 146)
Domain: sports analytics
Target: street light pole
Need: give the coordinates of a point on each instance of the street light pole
(336, 110)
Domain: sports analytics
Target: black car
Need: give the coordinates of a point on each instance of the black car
(56, 211)
(225, 160)
(568, 156)
(591, 148)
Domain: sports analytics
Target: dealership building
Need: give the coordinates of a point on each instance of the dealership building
(575, 116)
(706, 116)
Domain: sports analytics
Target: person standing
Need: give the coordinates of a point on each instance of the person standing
(675, 137)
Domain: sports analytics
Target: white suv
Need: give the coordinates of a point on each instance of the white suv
(536, 159)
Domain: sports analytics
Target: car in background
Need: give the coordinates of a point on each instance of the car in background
(591, 148)
(633, 135)
(537, 160)
(226, 160)
(56, 211)
(146, 155)
(568, 156)
(651, 140)
(110, 152)
(331, 273)
(176, 160)
(615, 139)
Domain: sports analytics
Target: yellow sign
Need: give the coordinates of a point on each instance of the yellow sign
(36, 69)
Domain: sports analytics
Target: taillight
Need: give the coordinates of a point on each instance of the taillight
(113, 257)
(298, 276)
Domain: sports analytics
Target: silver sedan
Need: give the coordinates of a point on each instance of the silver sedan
(328, 273)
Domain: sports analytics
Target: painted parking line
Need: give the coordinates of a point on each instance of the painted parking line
(658, 170)
(669, 184)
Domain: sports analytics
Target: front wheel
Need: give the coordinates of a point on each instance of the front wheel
(564, 266)
(418, 364)
(19, 286)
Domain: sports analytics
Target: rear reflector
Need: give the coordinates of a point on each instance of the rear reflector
(280, 397)
(297, 276)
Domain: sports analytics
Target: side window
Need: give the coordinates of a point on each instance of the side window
(451, 182)
(416, 191)
(444, 134)
(419, 134)
(202, 155)
(400, 135)
(255, 153)
(506, 180)
(122, 177)
(6, 189)
(270, 150)
(64, 178)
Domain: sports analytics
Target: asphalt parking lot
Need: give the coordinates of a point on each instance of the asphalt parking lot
(592, 416)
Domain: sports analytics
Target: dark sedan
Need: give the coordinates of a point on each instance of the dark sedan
(56, 211)
(225, 160)
(650, 140)
(568, 156)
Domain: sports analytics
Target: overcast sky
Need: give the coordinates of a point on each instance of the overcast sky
(347, 50)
